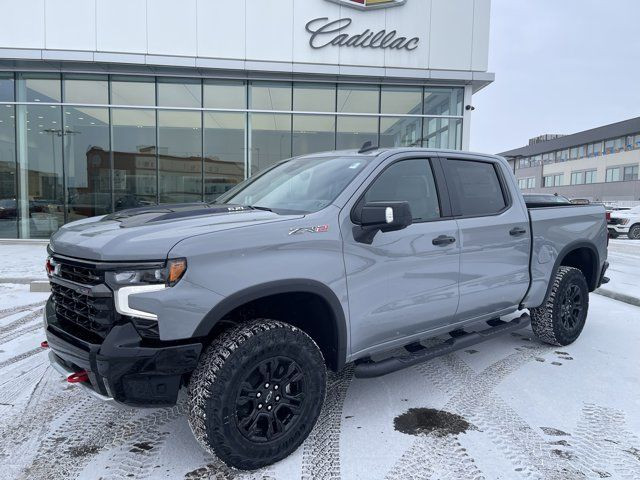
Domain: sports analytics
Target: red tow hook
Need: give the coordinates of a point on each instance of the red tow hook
(44, 344)
(78, 377)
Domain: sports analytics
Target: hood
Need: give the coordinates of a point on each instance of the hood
(150, 233)
(625, 213)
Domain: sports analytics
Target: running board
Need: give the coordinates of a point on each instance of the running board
(371, 369)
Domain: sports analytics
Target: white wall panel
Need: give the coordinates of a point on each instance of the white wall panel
(118, 31)
(22, 24)
(270, 30)
(303, 12)
(480, 47)
(374, 20)
(172, 27)
(221, 28)
(451, 34)
(412, 20)
(70, 24)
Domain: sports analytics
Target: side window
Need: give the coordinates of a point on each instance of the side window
(474, 187)
(409, 181)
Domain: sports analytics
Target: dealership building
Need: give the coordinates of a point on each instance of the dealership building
(112, 104)
(600, 164)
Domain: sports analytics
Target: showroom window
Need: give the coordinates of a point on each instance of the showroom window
(89, 144)
(314, 133)
(556, 180)
(590, 176)
(8, 170)
(577, 178)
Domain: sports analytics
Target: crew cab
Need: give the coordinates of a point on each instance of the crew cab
(314, 263)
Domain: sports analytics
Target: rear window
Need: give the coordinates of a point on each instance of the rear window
(475, 187)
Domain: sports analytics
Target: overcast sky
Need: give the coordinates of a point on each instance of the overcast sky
(561, 66)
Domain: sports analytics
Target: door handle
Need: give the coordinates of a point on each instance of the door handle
(517, 231)
(443, 240)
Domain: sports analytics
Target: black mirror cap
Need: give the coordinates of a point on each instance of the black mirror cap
(387, 216)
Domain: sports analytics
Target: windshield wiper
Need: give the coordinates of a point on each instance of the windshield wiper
(256, 207)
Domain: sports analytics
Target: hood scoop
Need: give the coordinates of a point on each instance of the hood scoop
(136, 217)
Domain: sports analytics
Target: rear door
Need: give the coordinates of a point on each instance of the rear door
(403, 283)
(494, 237)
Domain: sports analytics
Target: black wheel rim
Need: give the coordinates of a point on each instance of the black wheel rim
(635, 233)
(571, 307)
(270, 399)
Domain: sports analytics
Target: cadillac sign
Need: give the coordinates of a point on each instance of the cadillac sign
(370, 4)
(335, 33)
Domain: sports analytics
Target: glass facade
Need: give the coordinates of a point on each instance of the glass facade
(74, 146)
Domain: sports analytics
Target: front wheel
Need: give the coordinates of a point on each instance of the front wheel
(560, 320)
(257, 393)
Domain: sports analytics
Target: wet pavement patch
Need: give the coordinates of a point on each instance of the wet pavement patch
(141, 447)
(554, 432)
(429, 421)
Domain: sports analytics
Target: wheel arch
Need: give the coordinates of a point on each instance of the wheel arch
(327, 327)
(581, 255)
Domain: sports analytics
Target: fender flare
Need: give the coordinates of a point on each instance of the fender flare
(563, 254)
(296, 285)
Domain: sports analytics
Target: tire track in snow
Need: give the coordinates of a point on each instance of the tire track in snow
(321, 450)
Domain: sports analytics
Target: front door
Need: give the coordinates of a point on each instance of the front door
(403, 283)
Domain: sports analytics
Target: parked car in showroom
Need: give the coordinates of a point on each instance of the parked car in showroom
(625, 222)
(316, 262)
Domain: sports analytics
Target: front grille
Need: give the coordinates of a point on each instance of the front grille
(615, 221)
(85, 275)
(93, 316)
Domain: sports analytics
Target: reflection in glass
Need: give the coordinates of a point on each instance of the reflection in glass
(134, 157)
(224, 147)
(8, 198)
(42, 200)
(270, 96)
(87, 162)
(313, 133)
(6, 87)
(354, 131)
(180, 155)
(225, 94)
(133, 91)
(92, 89)
(314, 97)
(358, 98)
(270, 136)
(401, 132)
(442, 133)
(179, 92)
(39, 87)
(406, 100)
(443, 101)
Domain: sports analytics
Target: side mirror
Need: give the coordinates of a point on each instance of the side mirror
(383, 217)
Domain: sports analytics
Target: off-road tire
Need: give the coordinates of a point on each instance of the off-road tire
(546, 320)
(217, 384)
(634, 232)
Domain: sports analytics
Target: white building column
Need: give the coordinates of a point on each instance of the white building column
(466, 121)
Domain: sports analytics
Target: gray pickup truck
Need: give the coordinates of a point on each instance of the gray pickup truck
(316, 262)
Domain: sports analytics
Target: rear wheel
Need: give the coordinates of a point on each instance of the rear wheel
(634, 232)
(257, 393)
(613, 234)
(560, 320)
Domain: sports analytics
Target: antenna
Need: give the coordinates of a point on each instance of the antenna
(367, 147)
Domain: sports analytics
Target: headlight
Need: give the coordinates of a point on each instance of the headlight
(168, 275)
(623, 221)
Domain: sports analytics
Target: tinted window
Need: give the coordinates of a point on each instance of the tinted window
(409, 181)
(475, 187)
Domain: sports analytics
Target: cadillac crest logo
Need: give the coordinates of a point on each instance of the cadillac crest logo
(370, 4)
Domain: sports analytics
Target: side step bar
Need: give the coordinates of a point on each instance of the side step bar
(371, 369)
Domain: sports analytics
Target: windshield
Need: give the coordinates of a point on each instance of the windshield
(299, 185)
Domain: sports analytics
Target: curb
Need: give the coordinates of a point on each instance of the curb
(621, 297)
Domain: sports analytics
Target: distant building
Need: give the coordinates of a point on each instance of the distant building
(600, 164)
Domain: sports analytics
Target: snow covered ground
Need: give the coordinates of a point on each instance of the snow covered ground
(522, 409)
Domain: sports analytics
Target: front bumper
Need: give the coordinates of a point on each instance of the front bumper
(618, 228)
(123, 368)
